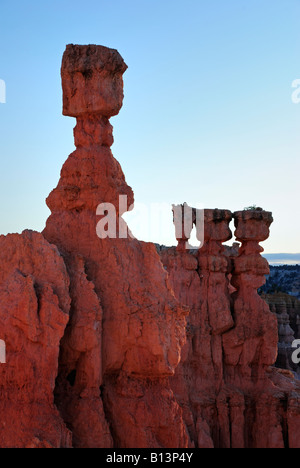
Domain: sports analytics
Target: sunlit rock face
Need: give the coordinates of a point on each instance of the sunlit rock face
(112, 342)
(34, 311)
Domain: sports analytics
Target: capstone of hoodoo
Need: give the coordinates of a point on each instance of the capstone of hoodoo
(92, 79)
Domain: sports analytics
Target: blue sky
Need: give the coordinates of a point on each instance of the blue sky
(207, 118)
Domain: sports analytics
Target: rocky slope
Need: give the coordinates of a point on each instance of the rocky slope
(112, 344)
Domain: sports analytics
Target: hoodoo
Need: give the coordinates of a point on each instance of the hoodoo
(126, 328)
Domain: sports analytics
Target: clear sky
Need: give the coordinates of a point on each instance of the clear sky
(208, 116)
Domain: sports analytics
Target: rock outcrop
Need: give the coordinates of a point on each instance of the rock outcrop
(111, 342)
(231, 395)
(34, 310)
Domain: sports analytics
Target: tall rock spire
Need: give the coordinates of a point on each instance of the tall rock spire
(122, 310)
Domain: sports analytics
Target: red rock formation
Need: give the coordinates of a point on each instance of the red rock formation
(100, 353)
(140, 327)
(80, 373)
(230, 394)
(200, 281)
(251, 346)
(34, 310)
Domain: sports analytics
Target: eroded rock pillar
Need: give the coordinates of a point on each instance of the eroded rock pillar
(126, 328)
(252, 345)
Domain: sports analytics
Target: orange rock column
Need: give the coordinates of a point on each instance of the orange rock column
(215, 318)
(126, 328)
(200, 281)
(252, 345)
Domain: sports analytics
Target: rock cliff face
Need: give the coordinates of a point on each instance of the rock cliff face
(34, 311)
(105, 348)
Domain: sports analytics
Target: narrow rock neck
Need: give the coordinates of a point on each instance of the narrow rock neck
(93, 130)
